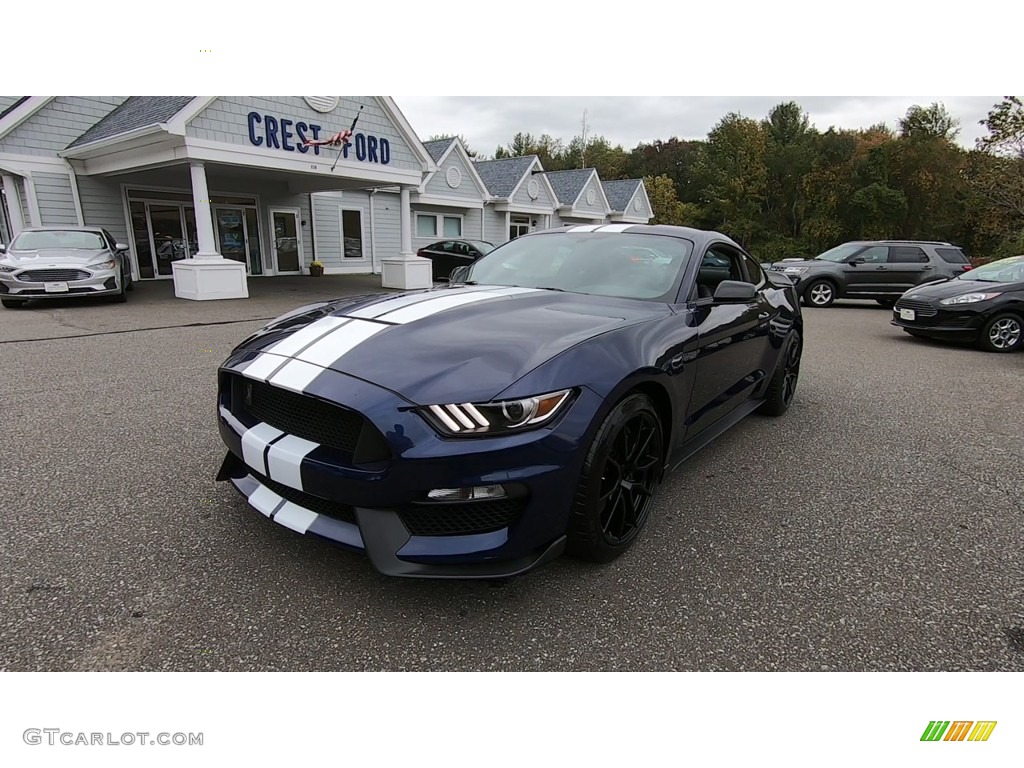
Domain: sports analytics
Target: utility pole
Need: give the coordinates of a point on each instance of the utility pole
(583, 147)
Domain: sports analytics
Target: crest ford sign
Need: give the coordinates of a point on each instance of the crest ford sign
(282, 133)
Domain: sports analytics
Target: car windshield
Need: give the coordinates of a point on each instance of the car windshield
(1009, 270)
(481, 246)
(839, 253)
(58, 239)
(598, 263)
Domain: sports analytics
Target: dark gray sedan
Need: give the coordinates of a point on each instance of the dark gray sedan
(56, 262)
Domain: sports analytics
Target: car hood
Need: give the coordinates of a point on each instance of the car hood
(956, 287)
(797, 263)
(449, 344)
(55, 257)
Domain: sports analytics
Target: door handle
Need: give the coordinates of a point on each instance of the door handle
(927, 267)
(881, 268)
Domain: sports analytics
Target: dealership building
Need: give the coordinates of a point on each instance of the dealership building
(210, 191)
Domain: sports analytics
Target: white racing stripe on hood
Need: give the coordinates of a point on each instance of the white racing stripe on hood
(376, 310)
(296, 375)
(262, 367)
(327, 349)
(303, 338)
(254, 443)
(429, 308)
(585, 227)
(615, 227)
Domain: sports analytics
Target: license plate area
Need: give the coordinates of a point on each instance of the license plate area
(55, 287)
(908, 314)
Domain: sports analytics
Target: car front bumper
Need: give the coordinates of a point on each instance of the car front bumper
(382, 509)
(934, 319)
(97, 282)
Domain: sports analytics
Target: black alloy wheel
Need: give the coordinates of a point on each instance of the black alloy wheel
(620, 476)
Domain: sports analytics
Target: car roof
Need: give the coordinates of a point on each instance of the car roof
(900, 242)
(63, 228)
(699, 237)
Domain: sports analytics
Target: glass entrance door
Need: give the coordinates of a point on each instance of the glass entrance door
(168, 243)
(231, 236)
(287, 254)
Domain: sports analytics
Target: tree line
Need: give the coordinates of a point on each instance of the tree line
(782, 187)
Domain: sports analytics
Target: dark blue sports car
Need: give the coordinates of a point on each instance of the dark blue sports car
(530, 407)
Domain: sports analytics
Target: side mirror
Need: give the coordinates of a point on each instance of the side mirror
(120, 247)
(734, 290)
(855, 262)
(458, 275)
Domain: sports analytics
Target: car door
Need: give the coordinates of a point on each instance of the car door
(732, 337)
(865, 271)
(441, 255)
(908, 266)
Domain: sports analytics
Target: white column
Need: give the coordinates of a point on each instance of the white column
(406, 271)
(406, 210)
(17, 222)
(207, 275)
(204, 215)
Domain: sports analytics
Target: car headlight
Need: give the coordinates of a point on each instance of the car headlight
(7, 268)
(795, 270)
(497, 418)
(969, 298)
(108, 264)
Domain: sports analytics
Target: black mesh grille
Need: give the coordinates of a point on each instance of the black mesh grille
(309, 418)
(323, 507)
(53, 275)
(921, 308)
(461, 519)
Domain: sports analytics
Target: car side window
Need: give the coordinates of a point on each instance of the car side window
(755, 274)
(110, 240)
(876, 254)
(907, 254)
(719, 263)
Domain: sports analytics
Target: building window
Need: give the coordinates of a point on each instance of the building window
(426, 226)
(352, 234)
(520, 225)
(429, 225)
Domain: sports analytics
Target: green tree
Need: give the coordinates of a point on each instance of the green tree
(789, 156)
(664, 204)
(931, 122)
(996, 176)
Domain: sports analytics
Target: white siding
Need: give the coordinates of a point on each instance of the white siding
(102, 206)
(645, 209)
(598, 205)
(26, 217)
(328, 229)
(226, 120)
(467, 189)
(494, 225)
(388, 225)
(522, 196)
(58, 124)
(56, 203)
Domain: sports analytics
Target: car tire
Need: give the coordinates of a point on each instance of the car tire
(887, 303)
(820, 293)
(783, 384)
(129, 283)
(13, 303)
(121, 296)
(621, 473)
(1003, 333)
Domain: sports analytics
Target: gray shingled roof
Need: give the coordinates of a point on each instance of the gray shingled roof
(438, 148)
(135, 112)
(569, 184)
(619, 193)
(502, 176)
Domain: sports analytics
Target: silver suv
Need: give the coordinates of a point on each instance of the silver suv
(872, 269)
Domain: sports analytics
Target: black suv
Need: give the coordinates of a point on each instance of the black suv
(877, 269)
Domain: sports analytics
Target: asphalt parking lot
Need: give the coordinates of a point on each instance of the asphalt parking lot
(879, 525)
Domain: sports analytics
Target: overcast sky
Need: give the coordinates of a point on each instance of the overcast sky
(486, 122)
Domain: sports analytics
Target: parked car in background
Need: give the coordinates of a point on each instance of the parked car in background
(449, 254)
(56, 262)
(985, 306)
(877, 269)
